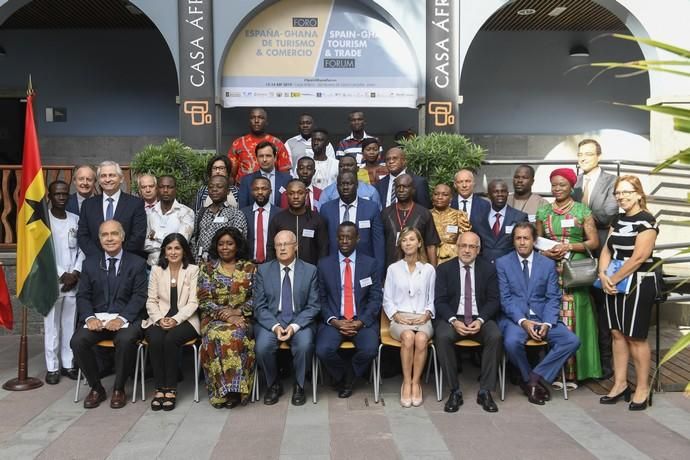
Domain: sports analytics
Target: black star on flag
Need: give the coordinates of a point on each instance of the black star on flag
(38, 212)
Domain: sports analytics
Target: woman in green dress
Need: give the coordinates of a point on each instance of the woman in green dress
(571, 224)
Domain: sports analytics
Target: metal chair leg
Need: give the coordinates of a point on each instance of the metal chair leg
(565, 388)
(436, 373)
(314, 376)
(502, 377)
(196, 372)
(76, 392)
(377, 386)
(137, 366)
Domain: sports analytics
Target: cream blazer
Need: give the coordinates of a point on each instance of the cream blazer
(158, 303)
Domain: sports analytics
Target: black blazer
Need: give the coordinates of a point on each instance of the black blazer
(129, 212)
(494, 247)
(480, 207)
(72, 204)
(130, 289)
(447, 291)
(251, 230)
(421, 188)
(245, 195)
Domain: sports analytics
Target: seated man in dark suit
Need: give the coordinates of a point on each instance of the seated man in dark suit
(259, 214)
(466, 200)
(495, 226)
(111, 302)
(114, 204)
(266, 155)
(531, 302)
(364, 213)
(286, 304)
(466, 301)
(350, 306)
(396, 164)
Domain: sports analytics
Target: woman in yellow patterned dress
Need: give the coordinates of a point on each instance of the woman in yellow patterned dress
(225, 303)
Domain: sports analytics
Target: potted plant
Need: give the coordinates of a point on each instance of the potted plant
(175, 159)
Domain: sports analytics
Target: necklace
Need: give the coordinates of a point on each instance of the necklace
(565, 206)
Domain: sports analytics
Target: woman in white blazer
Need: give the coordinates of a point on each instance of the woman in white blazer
(173, 320)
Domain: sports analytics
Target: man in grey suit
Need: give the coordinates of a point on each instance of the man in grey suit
(594, 188)
(286, 303)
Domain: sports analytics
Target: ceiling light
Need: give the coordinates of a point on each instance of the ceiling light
(526, 11)
(558, 10)
(579, 51)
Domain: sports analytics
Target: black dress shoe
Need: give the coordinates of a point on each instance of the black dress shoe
(273, 394)
(72, 373)
(614, 399)
(298, 397)
(345, 390)
(52, 378)
(485, 400)
(544, 387)
(637, 406)
(534, 393)
(94, 398)
(454, 401)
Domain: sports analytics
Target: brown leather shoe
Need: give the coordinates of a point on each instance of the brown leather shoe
(118, 400)
(94, 398)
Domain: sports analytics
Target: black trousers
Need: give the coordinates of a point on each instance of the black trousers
(489, 336)
(604, 333)
(164, 346)
(125, 340)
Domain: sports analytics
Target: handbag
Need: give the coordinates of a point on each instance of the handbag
(579, 273)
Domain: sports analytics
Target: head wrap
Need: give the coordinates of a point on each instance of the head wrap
(567, 173)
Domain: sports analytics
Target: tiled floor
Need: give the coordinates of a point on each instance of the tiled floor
(46, 423)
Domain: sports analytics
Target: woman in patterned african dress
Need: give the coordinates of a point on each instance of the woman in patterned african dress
(225, 303)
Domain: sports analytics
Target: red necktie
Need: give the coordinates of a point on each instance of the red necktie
(260, 251)
(349, 310)
(497, 225)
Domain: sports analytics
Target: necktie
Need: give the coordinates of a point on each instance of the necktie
(464, 205)
(286, 298)
(497, 225)
(585, 191)
(525, 271)
(260, 248)
(109, 210)
(112, 274)
(468, 295)
(346, 215)
(349, 307)
(392, 198)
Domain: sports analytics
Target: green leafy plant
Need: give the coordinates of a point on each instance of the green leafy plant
(175, 159)
(438, 156)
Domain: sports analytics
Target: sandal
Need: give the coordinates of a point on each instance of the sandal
(570, 385)
(157, 401)
(170, 399)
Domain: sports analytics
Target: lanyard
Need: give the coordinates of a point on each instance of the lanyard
(407, 217)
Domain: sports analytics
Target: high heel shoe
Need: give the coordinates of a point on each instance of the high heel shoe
(416, 402)
(637, 406)
(614, 399)
(405, 402)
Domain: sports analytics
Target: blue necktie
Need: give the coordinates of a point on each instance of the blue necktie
(525, 271)
(286, 298)
(112, 275)
(109, 210)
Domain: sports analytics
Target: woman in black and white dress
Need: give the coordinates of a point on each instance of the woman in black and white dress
(630, 244)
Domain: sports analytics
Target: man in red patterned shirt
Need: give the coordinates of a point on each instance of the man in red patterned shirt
(242, 154)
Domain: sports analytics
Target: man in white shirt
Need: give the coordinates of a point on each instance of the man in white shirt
(59, 323)
(300, 145)
(167, 216)
(467, 302)
(326, 167)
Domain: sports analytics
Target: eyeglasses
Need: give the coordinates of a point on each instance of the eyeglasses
(285, 245)
(468, 246)
(623, 193)
(588, 154)
(219, 168)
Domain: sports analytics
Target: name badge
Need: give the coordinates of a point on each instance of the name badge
(364, 224)
(365, 282)
(359, 158)
(281, 189)
(509, 228)
(364, 197)
(308, 233)
(381, 177)
(567, 223)
(532, 218)
(220, 220)
(452, 229)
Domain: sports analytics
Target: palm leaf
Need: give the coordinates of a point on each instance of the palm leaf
(676, 348)
(657, 44)
(683, 157)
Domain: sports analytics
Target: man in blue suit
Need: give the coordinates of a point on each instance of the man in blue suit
(112, 204)
(496, 225)
(364, 213)
(396, 164)
(350, 306)
(531, 302)
(266, 154)
(286, 303)
(85, 185)
(259, 215)
(466, 200)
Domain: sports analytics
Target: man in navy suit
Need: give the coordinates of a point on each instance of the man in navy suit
(364, 213)
(350, 306)
(286, 304)
(531, 302)
(495, 226)
(467, 303)
(466, 200)
(111, 302)
(113, 204)
(85, 185)
(396, 164)
(266, 155)
(259, 215)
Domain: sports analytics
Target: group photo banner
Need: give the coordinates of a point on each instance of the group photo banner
(319, 53)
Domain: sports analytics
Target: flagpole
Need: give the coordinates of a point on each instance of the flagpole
(23, 382)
